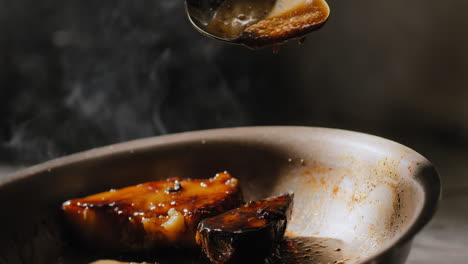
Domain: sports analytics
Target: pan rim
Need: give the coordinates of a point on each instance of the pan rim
(427, 177)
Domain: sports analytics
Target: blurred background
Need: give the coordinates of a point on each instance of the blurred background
(77, 74)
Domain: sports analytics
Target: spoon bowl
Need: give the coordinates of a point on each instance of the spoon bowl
(259, 23)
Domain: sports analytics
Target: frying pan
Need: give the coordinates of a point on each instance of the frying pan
(358, 198)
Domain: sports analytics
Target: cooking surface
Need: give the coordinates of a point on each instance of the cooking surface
(443, 240)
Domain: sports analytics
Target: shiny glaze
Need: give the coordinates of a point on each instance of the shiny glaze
(249, 232)
(232, 17)
(279, 27)
(137, 217)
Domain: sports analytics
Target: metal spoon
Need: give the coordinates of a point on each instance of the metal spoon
(256, 23)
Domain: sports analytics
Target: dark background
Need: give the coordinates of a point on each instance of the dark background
(76, 74)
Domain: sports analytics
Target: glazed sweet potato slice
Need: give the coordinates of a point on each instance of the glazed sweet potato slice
(153, 214)
(247, 234)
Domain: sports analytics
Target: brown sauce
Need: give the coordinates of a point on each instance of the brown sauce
(233, 16)
(241, 20)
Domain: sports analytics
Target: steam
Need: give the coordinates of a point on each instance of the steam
(120, 70)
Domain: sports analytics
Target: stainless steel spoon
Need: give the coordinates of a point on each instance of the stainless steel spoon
(256, 23)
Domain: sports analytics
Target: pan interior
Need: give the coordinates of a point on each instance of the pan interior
(352, 197)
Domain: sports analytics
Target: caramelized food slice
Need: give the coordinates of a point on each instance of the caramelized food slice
(289, 19)
(246, 234)
(160, 213)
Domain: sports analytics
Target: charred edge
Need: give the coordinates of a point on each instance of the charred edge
(177, 187)
(255, 42)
